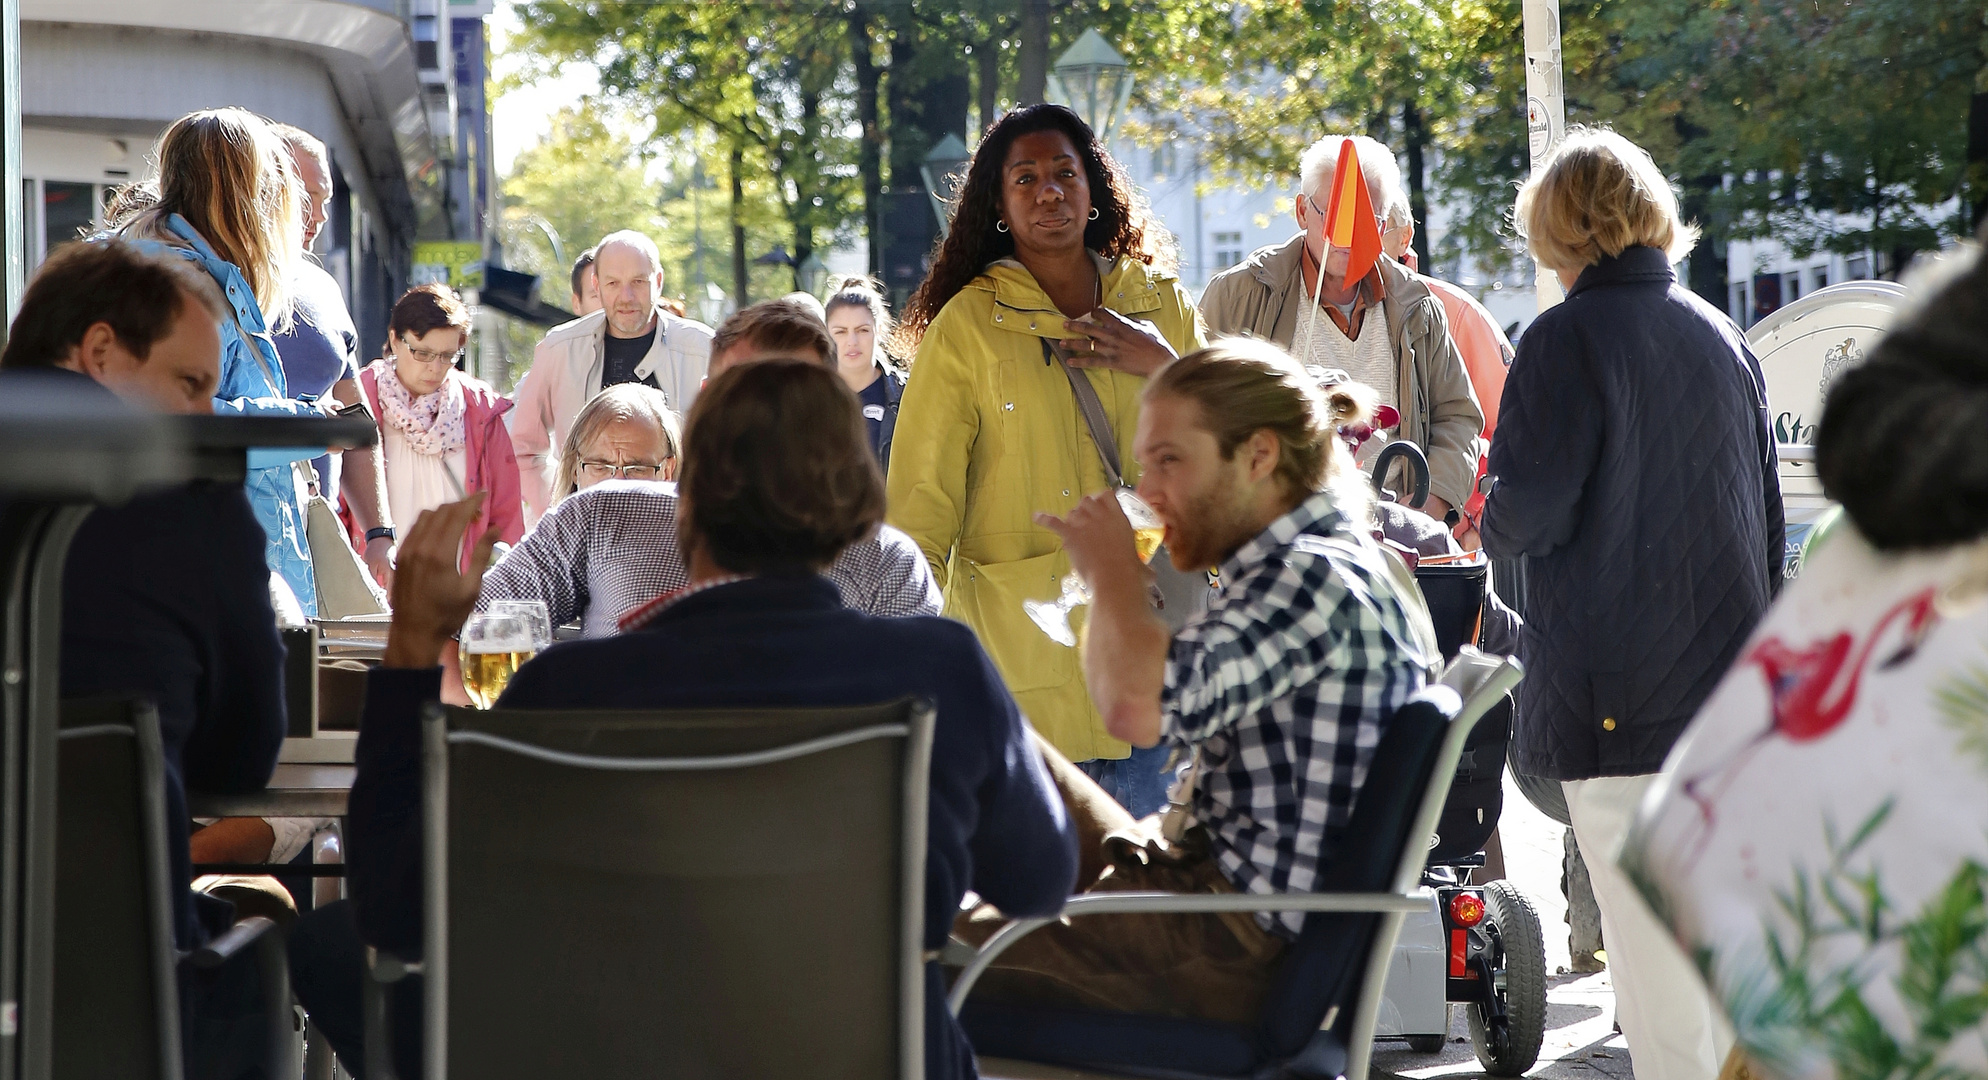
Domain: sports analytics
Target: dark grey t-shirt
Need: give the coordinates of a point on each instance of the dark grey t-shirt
(621, 357)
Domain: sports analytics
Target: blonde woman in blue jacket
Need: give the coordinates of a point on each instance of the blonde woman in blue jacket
(229, 200)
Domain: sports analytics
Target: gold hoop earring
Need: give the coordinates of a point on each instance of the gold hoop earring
(1000, 226)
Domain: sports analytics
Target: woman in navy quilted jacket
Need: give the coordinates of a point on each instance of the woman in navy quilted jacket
(1634, 467)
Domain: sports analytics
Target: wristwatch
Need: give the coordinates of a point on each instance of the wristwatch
(375, 534)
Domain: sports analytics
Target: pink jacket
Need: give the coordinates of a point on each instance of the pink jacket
(490, 462)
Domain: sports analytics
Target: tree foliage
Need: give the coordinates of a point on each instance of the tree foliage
(1828, 124)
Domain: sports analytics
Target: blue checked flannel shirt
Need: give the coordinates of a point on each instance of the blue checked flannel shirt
(1286, 683)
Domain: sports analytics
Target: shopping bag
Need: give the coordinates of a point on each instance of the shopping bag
(1819, 839)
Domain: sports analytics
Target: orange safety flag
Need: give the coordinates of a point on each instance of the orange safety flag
(1349, 217)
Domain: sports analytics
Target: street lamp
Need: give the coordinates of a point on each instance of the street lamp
(811, 272)
(1094, 81)
(944, 171)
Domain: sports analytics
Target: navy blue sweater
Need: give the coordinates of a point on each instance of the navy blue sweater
(167, 598)
(997, 825)
(1634, 468)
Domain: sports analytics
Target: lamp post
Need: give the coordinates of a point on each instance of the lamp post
(811, 272)
(1094, 81)
(944, 171)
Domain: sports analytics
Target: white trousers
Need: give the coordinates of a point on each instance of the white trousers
(1675, 1032)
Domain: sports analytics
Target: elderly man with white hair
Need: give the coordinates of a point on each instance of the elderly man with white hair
(632, 338)
(1386, 330)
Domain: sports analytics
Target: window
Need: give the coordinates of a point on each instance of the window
(1859, 268)
(1163, 162)
(1736, 302)
(1791, 286)
(68, 211)
(1821, 277)
(1766, 295)
(1228, 249)
(54, 213)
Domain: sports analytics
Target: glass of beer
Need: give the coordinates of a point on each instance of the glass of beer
(1053, 616)
(495, 644)
(535, 616)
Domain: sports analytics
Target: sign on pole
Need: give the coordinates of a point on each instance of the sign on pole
(1546, 108)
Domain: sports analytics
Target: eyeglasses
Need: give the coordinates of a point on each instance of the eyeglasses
(603, 470)
(429, 356)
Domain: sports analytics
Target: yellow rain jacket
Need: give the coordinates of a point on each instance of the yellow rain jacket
(988, 434)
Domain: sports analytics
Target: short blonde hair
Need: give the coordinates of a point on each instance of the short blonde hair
(1599, 194)
(622, 401)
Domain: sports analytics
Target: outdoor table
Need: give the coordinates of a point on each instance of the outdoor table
(296, 790)
(64, 448)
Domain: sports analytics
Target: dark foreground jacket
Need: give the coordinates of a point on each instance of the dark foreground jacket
(997, 825)
(1634, 467)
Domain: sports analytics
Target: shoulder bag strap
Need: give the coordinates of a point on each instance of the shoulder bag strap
(1089, 404)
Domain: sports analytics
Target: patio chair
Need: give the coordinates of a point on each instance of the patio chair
(653, 893)
(1319, 1016)
(117, 1010)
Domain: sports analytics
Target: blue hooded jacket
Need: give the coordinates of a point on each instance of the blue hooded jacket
(252, 384)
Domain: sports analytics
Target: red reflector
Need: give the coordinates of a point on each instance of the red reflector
(1466, 909)
(1458, 943)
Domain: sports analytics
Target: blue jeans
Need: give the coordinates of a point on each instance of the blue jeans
(1139, 782)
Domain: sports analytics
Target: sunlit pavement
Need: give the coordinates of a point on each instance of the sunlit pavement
(1580, 1009)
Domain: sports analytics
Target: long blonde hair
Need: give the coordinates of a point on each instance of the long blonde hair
(227, 172)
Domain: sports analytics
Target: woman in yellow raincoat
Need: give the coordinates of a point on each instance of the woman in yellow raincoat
(1049, 246)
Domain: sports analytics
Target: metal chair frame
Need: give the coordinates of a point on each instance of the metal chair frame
(1481, 682)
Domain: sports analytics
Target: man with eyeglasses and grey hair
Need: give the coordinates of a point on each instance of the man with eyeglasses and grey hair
(631, 339)
(1387, 330)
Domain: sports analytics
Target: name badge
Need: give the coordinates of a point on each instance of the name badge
(874, 412)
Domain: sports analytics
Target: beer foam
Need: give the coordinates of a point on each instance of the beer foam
(521, 643)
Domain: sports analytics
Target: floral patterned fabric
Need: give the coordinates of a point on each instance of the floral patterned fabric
(1819, 840)
(433, 423)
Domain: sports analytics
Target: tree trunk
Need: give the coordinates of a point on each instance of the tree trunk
(1418, 196)
(1705, 268)
(802, 211)
(1976, 193)
(1032, 82)
(869, 152)
(741, 277)
(901, 93)
(987, 54)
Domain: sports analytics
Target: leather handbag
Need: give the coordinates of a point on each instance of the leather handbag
(345, 587)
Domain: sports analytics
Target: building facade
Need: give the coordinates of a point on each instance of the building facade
(376, 80)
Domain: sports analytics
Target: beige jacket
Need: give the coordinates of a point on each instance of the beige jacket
(566, 374)
(1263, 297)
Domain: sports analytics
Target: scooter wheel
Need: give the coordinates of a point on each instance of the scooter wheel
(1510, 1045)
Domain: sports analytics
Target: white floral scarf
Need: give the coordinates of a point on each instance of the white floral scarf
(432, 423)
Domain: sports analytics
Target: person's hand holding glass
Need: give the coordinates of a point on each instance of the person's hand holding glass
(1053, 616)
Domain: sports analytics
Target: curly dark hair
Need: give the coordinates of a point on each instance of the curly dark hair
(1124, 225)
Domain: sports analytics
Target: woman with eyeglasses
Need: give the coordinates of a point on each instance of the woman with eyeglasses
(627, 432)
(441, 431)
